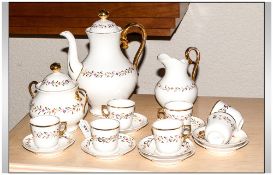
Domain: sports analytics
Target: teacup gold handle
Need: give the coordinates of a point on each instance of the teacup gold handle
(160, 113)
(84, 94)
(77, 95)
(124, 41)
(61, 132)
(188, 129)
(32, 93)
(196, 62)
(103, 109)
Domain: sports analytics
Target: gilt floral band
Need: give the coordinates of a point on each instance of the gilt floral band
(120, 116)
(167, 139)
(105, 139)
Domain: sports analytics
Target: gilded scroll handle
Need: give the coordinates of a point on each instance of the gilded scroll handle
(32, 93)
(196, 62)
(124, 41)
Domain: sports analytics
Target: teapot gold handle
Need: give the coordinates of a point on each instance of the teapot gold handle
(124, 41)
(196, 62)
(32, 93)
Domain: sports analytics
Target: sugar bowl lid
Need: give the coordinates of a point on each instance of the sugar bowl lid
(103, 25)
(56, 81)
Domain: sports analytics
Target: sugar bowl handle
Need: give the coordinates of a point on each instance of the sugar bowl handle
(124, 41)
(32, 93)
(160, 113)
(196, 62)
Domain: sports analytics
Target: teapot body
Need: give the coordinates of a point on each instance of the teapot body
(106, 73)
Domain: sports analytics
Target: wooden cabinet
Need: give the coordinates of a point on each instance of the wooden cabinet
(159, 19)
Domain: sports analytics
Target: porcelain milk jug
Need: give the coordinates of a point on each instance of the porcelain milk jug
(177, 85)
(106, 73)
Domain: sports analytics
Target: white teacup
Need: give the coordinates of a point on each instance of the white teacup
(121, 110)
(105, 134)
(180, 110)
(220, 106)
(167, 135)
(46, 130)
(220, 128)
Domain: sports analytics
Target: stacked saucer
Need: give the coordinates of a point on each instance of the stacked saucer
(237, 141)
(167, 144)
(223, 132)
(147, 149)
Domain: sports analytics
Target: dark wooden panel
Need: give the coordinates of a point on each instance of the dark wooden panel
(152, 23)
(91, 9)
(44, 18)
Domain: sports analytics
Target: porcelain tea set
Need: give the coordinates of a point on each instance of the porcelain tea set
(105, 80)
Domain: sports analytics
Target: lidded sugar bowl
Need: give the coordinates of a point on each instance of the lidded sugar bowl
(60, 96)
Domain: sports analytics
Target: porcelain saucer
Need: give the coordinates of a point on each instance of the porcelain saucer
(147, 149)
(238, 140)
(196, 123)
(139, 121)
(64, 143)
(125, 145)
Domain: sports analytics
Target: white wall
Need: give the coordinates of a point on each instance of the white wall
(229, 36)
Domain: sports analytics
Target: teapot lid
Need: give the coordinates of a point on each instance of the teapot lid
(56, 81)
(103, 25)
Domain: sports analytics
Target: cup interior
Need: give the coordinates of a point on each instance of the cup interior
(105, 124)
(47, 120)
(178, 105)
(121, 103)
(167, 124)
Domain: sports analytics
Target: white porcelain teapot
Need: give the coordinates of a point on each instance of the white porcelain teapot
(176, 85)
(60, 96)
(106, 73)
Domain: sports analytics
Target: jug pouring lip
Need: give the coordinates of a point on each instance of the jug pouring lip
(161, 57)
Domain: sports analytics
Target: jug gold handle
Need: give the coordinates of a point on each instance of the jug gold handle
(196, 62)
(124, 41)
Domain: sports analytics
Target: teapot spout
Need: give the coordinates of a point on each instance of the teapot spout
(74, 65)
